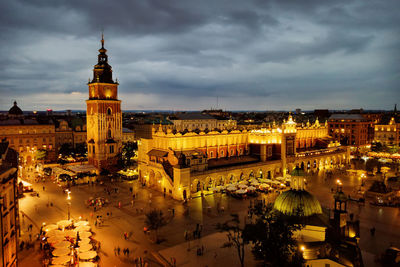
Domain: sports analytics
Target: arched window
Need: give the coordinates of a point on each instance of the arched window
(109, 111)
(109, 134)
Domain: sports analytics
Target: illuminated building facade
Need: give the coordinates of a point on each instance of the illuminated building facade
(103, 115)
(181, 164)
(27, 135)
(128, 135)
(351, 129)
(388, 134)
(8, 205)
(73, 133)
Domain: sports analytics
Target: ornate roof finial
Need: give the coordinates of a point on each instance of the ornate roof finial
(102, 38)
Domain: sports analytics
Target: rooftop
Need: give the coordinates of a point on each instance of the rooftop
(193, 116)
(357, 117)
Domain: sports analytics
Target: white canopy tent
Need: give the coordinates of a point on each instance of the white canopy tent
(87, 255)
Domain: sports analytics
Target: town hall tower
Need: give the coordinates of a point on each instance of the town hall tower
(103, 115)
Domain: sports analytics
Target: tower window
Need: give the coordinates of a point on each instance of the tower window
(109, 134)
(109, 111)
(111, 149)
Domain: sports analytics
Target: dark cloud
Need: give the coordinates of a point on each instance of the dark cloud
(184, 54)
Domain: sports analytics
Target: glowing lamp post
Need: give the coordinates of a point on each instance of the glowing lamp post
(339, 185)
(69, 204)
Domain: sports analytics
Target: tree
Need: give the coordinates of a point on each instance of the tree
(271, 234)
(128, 152)
(154, 220)
(65, 150)
(81, 149)
(41, 154)
(371, 164)
(235, 236)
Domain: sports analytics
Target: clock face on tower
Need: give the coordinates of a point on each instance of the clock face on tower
(107, 91)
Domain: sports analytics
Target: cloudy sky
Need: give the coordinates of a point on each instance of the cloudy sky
(184, 55)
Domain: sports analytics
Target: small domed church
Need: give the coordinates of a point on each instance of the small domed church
(327, 238)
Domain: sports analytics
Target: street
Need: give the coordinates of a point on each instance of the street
(125, 216)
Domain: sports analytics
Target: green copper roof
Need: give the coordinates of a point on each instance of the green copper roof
(297, 203)
(297, 172)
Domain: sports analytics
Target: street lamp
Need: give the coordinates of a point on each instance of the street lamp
(339, 185)
(69, 204)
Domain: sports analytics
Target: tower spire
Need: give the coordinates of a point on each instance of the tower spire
(102, 71)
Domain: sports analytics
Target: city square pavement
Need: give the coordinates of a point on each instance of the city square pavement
(125, 216)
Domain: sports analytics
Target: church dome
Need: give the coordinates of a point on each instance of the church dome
(298, 172)
(15, 110)
(297, 203)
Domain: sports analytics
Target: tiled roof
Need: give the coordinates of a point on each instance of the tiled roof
(357, 117)
(194, 116)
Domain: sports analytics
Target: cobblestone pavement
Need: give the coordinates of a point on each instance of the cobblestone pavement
(130, 218)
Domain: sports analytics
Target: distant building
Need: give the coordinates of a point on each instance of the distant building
(321, 113)
(351, 129)
(217, 113)
(197, 121)
(388, 134)
(72, 133)
(128, 135)
(27, 135)
(8, 205)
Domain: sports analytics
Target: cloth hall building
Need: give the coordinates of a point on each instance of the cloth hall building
(181, 164)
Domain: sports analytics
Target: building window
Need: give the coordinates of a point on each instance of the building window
(94, 149)
(269, 151)
(111, 149)
(109, 134)
(109, 111)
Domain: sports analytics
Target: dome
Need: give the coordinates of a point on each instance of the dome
(15, 110)
(297, 203)
(297, 172)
